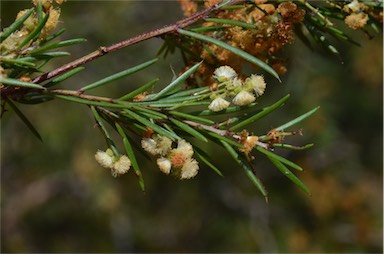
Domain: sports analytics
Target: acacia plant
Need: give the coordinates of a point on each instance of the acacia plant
(212, 99)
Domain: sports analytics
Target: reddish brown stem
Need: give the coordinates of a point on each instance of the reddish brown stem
(6, 91)
(139, 38)
(81, 95)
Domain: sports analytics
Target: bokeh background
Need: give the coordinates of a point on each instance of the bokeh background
(56, 198)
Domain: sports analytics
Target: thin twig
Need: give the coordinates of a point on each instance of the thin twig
(103, 50)
(82, 96)
(125, 43)
(206, 127)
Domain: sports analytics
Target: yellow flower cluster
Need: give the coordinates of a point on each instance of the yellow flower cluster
(118, 165)
(357, 17)
(13, 41)
(243, 92)
(275, 28)
(176, 161)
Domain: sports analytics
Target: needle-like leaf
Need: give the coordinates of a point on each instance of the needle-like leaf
(54, 45)
(15, 25)
(149, 111)
(188, 129)
(65, 76)
(118, 75)
(179, 80)
(131, 155)
(260, 114)
(207, 29)
(153, 126)
(91, 102)
(287, 146)
(17, 62)
(297, 120)
(256, 181)
(18, 83)
(289, 174)
(33, 35)
(49, 55)
(139, 90)
(191, 117)
(205, 158)
(24, 119)
(53, 36)
(279, 158)
(224, 139)
(232, 22)
(104, 130)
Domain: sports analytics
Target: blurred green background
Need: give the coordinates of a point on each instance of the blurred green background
(56, 198)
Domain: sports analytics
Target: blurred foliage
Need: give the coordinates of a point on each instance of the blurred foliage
(56, 198)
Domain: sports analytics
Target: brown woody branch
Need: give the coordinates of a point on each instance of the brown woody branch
(103, 50)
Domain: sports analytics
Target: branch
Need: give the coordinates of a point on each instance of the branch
(103, 50)
(125, 43)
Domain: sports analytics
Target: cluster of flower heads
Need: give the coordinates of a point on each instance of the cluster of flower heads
(10, 46)
(357, 17)
(176, 161)
(242, 92)
(275, 24)
(118, 165)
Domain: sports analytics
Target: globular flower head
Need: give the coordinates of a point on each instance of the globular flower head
(105, 159)
(163, 143)
(13, 41)
(255, 83)
(109, 160)
(184, 147)
(243, 98)
(180, 155)
(158, 145)
(224, 73)
(356, 20)
(218, 104)
(150, 146)
(189, 169)
(121, 166)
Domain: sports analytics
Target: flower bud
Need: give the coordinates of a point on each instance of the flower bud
(105, 159)
(121, 166)
(224, 73)
(255, 83)
(149, 145)
(218, 104)
(243, 98)
(189, 169)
